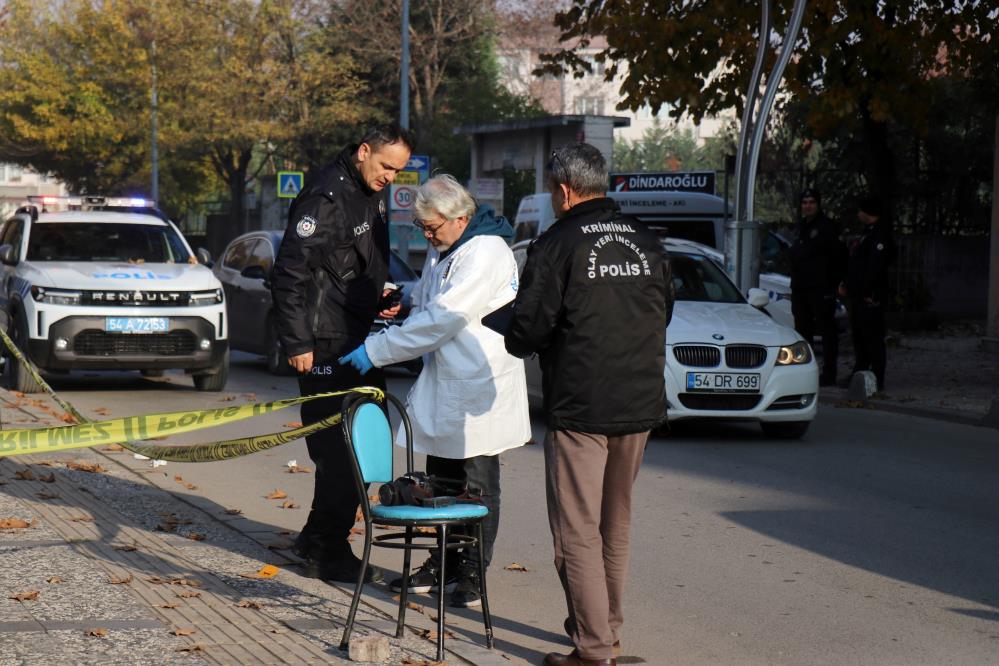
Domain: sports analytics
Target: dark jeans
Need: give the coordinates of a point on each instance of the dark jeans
(480, 475)
(814, 312)
(335, 502)
(867, 323)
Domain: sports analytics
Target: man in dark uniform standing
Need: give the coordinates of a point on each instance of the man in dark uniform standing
(818, 265)
(328, 286)
(866, 288)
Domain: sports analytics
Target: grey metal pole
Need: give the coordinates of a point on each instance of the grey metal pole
(991, 340)
(748, 111)
(404, 69)
(154, 189)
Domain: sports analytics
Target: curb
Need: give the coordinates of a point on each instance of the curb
(838, 397)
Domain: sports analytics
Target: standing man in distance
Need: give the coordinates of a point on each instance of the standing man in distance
(595, 297)
(327, 287)
(818, 265)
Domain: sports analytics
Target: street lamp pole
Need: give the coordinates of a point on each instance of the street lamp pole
(404, 69)
(154, 188)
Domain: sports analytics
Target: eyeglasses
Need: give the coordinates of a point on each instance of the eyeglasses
(555, 159)
(427, 229)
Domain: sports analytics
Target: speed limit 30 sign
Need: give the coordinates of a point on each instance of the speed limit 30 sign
(402, 197)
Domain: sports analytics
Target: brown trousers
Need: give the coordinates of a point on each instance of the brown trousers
(589, 482)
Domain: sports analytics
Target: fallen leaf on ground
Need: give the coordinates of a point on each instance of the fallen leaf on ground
(47, 478)
(289, 505)
(246, 603)
(113, 448)
(54, 580)
(15, 523)
(190, 486)
(373, 498)
(227, 398)
(293, 424)
(114, 580)
(195, 536)
(67, 418)
(156, 580)
(414, 606)
(44, 463)
(189, 595)
(166, 527)
(30, 595)
(513, 566)
(183, 631)
(85, 467)
(24, 475)
(197, 647)
(295, 469)
(82, 519)
(356, 530)
(171, 605)
(97, 633)
(409, 662)
(276, 494)
(266, 571)
(103, 411)
(47, 496)
(358, 516)
(431, 634)
(125, 548)
(426, 530)
(234, 512)
(281, 545)
(178, 479)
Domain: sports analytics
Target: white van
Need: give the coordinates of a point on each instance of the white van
(685, 215)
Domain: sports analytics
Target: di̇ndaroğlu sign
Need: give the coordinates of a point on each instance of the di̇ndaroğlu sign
(670, 181)
(130, 430)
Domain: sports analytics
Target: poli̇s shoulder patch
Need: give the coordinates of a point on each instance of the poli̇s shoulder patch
(306, 226)
(381, 207)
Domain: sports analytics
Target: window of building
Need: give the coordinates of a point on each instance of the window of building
(593, 106)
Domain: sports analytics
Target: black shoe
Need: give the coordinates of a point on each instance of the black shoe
(345, 569)
(425, 578)
(466, 592)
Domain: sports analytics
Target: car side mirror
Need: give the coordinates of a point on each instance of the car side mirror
(7, 255)
(758, 298)
(255, 272)
(204, 256)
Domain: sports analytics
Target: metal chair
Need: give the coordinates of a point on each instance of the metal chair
(369, 437)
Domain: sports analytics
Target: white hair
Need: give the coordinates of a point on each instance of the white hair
(443, 195)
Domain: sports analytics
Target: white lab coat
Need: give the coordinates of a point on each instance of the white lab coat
(471, 397)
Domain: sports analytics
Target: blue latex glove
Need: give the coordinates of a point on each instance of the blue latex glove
(359, 359)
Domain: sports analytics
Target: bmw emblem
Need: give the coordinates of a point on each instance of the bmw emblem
(718, 336)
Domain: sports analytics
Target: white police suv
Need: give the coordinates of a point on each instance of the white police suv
(95, 283)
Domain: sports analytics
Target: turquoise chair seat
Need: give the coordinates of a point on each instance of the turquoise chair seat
(408, 512)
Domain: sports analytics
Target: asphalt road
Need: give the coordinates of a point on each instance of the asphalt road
(875, 540)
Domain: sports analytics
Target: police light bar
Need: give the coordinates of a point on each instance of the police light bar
(87, 202)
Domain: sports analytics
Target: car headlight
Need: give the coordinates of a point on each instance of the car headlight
(796, 354)
(55, 296)
(210, 297)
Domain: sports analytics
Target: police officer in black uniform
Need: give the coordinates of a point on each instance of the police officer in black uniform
(328, 286)
(818, 265)
(866, 288)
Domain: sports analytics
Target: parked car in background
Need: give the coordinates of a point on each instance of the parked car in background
(95, 283)
(727, 359)
(244, 270)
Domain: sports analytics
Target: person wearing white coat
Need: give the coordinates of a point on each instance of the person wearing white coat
(469, 403)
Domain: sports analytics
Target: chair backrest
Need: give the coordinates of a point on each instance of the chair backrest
(371, 437)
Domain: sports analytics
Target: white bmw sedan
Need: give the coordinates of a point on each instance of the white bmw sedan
(726, 358)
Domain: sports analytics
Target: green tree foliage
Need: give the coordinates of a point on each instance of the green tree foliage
(861, 68)
(671, 148)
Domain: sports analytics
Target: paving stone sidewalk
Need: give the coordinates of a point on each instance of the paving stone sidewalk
(114, 570)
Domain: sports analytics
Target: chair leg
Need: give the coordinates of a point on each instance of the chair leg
(344, 642)
(404, 593)
(442, 543)
(486, 618)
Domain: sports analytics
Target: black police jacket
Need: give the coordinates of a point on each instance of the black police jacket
(333, 263)
(594, 300)
(870, 257)
(818, 257)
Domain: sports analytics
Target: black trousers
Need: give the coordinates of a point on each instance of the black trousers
(814, 312)
(335, 501)
(867, 324)
(480, 475)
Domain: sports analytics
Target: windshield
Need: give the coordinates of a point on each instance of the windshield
(697, 278)
(104, 241)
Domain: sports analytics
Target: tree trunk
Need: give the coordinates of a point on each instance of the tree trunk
(882, 177)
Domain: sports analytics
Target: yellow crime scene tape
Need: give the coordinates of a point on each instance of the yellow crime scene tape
(131, 430)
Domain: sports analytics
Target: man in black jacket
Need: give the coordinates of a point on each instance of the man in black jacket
(327, 286)
(818, 265)
(866, 288)
(594, 301)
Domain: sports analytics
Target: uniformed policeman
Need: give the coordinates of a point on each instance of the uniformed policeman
(818, 265)
(328, 286)
(866, 288)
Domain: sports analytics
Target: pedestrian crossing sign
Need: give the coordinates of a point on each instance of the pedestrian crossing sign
(289, 184)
